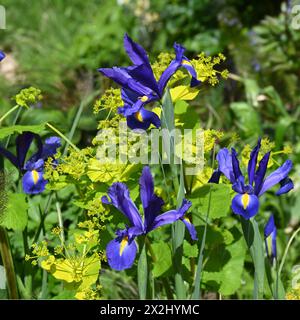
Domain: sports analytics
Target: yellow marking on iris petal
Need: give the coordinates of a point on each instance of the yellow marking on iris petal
(187, 220)
(35, 176)
(138, 116)
(245, 200)
(144, 98)
(186, 62)
(124, 243)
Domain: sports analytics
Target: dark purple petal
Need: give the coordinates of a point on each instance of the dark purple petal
(120, 199)
(270, 226)
(129, 110)
(170, 216)
(261, 172)
(121, 253)
(190, 227)
(151, 203)
(246, 205)
(215, 177)
(144, 74)
(136, 52)
(285, 186)
(270, 233)
(23, 143)
(143, 119)
(8, 155)
(121, 76)
(33, 182)
(186, 63)
(253, 162)
(172, 68)
(129, 97)
(50, 147)
(225, 164)
(146, 186)
(278, 175)
(239, 185)
(235, 164)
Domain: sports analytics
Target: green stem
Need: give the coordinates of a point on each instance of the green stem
(9, 112)
(13, 123)
(142, 271)
(60, 223)
(286, 251)
(62, 136)
(8, 264)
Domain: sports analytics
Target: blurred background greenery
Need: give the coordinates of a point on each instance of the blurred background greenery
(58, 45)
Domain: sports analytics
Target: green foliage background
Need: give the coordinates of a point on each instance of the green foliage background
(58, 45)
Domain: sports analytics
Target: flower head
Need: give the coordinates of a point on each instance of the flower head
(33, 169)
(139, 86)
(122, 250)
(246, 202)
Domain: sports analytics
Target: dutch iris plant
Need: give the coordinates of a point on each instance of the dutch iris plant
(32, 169)
(270, 234)
(246, 202)
(122, 250)
(139, 86)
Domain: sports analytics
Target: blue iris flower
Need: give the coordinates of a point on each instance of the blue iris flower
(270, 234)
(139, 86)
(32, 170)
(246, 202)
(2, 55)
(122, 250)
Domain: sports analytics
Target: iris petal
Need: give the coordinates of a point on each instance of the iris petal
(170, 216)
(225, 164)
(143, 119)
(23, 143)
(245, 205)
(253, 162)
(151, 202)
(136, 52)
(285, 186)
(172, 68)
(261, 172)
(120, 199)
(191, 228)
(121, 253)
(270, 233)
(235, 164)
(278, 175)
(33, 182)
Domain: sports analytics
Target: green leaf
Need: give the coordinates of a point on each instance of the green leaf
(219, 205)
(256, 247)
(15, 215)
(163, 257)
(4, 132)
(224, 267)
(247, 118)
(190, 250)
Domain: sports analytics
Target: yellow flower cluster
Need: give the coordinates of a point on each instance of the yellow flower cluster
(204, 66)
